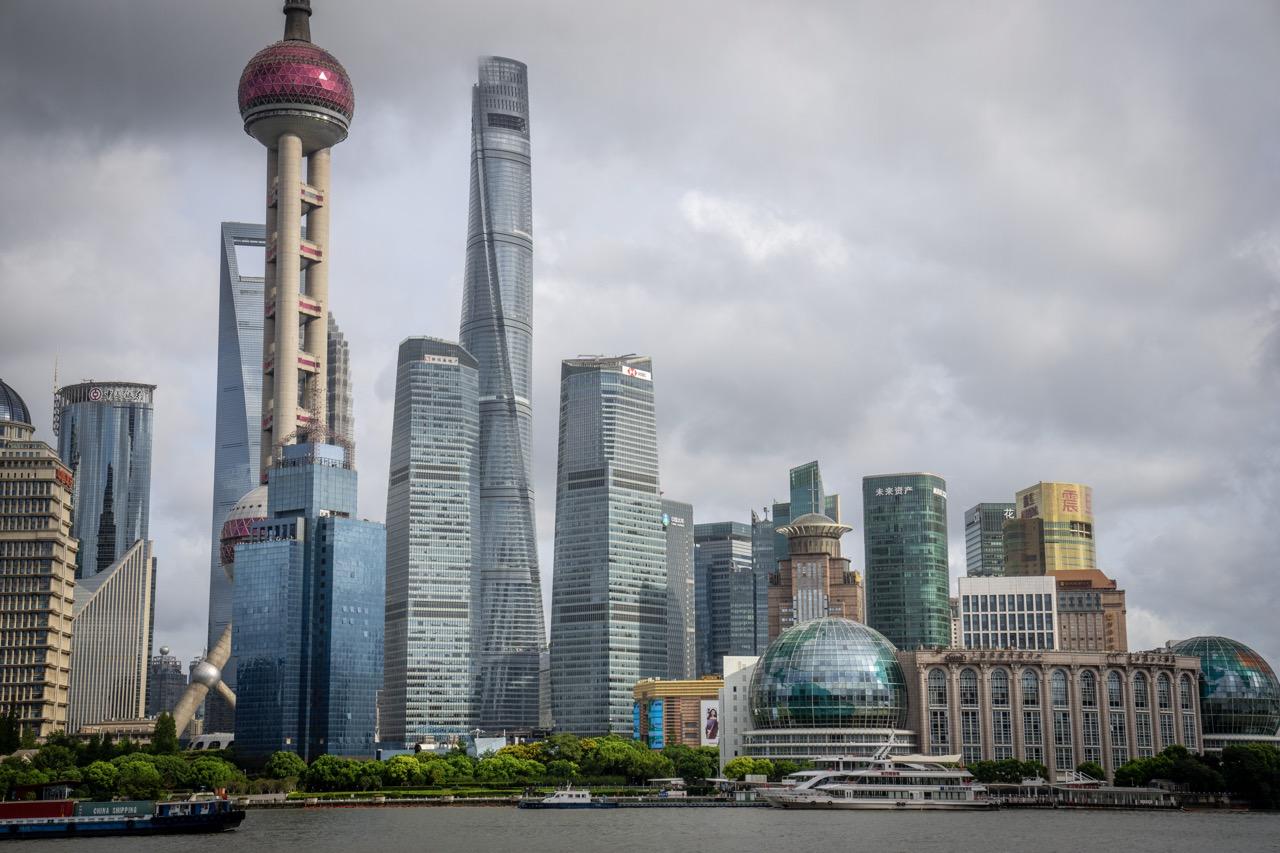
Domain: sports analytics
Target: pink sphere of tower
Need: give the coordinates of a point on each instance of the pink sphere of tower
(294, 86)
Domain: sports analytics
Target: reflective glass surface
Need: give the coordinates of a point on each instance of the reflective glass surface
(829, 673)
(1239, 694)
(296, 72)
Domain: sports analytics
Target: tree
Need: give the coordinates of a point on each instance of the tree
(402, 770)
(562, 770)
(28, 739)
(694, 764)
(564, 746)
(10, 732)
(54, 757)
(502, 770)
(101, 778)
(175, 771)
(285, 765)
(434, 771)
(164, 741)
(785, 767)
(330, 773)
(1252, 770)
(212, 773)
(739, 767)
(138, 780)
(1093, 770)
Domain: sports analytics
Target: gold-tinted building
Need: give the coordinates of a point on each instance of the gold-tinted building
(815, 580)
(37, 573)
(685, 712)
(1053, 530)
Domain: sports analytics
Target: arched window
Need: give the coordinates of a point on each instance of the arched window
(1141, 695)
(1185, 692)
(1000, 688)
(1088, 689)
(1115, 690)
(1058, 688)
(1030, 688)
(937, 688)
(1164, 692)
(968, 688)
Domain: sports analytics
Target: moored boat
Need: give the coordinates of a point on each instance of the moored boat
(72, 819)
(883, 781)
(567, 798)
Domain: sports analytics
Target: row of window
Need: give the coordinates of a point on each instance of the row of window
(1088, 689)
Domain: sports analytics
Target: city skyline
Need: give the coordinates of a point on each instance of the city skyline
(1180, 478)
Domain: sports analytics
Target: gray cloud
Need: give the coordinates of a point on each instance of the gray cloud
(1005, 243)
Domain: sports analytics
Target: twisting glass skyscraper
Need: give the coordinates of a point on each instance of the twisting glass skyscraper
(497, 328)
(609, 600)
(429, 665)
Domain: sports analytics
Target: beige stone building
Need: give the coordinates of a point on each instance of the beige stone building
(1054, 707)
(37, 573)
(815, 580)
(1091, 612)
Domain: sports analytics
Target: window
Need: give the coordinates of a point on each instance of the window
(1119, 739)
(1030, 688)
(971, 736)
(968, 688)
(1141, 696)
(937, 688)
(1058, 688)
(1143, 724)
(1032, 730)
(1184, 692)
(1166, 731)
(1163, 693)
(939, 733)
(1002, 734)
(1115, 690)
(1000, 688)
(1088, 689)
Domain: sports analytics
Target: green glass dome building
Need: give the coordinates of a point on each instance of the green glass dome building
(1239, 693)
(829, 673)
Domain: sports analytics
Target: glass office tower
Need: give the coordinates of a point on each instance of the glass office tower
(905, 539)
(497, 329)
(726, 592)
(682, 642)
(609, 597)
(308, 614)
(432, 493)
(764, 563)
(104, 436)
(984, 539)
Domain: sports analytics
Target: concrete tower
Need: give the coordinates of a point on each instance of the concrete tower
(297, 100)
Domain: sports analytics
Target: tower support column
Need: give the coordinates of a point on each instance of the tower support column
(288, 281)
(317, 336)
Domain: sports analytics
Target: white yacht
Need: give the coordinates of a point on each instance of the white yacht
(883, 781)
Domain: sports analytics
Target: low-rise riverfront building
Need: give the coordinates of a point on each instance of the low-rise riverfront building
(685, 712)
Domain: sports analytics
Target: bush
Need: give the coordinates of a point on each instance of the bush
(285, 765)
(1093, 770)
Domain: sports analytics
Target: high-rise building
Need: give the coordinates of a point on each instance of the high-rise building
(905, 539)
(432, 499)
(726, 593)
(340, 409)
(104, 436)
(308, 599)
(1057, 533)
(237, 425)
(682, 633)
(307, 614)
(111, 641)
(1008, 613)
(497, 329)
(806, 496)
(984, 538)
(166, 682)
(609, 597)
(1091, 612)
(37, 573)
(814, 580)
(763, 564)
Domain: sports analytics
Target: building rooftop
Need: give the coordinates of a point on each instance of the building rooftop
(12, 406)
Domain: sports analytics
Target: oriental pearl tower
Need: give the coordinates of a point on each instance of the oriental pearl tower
(297, 100)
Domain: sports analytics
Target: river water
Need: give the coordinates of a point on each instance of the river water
(714, 830)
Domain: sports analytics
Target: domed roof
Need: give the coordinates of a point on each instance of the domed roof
(1239, 693)
(253, 505)
(12, 406)
(814, 524)
(829, 673)
(250, 508)
(296, 72)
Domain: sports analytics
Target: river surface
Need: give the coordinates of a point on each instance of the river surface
(713, 830)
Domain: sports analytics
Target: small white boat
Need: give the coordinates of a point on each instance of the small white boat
(884, 781)
(567, 798)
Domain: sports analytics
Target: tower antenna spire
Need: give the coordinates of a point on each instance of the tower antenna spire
(297, 20)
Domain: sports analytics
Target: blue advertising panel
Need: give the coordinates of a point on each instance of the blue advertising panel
(657, 731)
(635, 721)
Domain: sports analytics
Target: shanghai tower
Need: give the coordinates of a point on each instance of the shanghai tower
(497, 329)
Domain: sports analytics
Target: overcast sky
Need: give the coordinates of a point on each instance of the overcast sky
(1004, 242)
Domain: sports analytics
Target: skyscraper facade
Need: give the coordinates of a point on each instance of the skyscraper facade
(111, 643)
(340, 409)
(609, 598)
(104, 436)
(307, 614)
(726, 592)
(166, 682)
(815, 580)
(682, 637)
(905, 540)
(1065, 514)
(237, 425)
(807, 495)
(432, 499)
(764, 563)
(497, 329)
(984, 539)
(37, 573)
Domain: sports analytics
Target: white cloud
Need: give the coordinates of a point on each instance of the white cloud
(761, 235)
